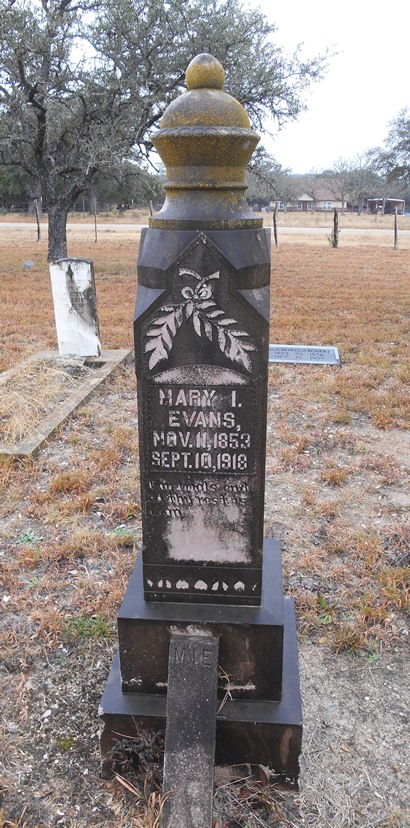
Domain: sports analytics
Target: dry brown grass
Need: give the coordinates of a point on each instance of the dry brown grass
(357, 300)
(27, 307)
(28, 397)
(71, 518)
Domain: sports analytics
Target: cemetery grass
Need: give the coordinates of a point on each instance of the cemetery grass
(337, 496)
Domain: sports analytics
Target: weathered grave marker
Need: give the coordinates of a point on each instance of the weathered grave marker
(202, 363)
(190, 731)
(75, 307)
(201, 348)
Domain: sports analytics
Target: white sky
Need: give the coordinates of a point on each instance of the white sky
(366, 85)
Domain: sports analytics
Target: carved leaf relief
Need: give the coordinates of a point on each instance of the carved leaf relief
(208, 320)
(161, 336)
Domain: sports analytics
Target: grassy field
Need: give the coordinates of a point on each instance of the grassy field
(355, 297)
(337, 475)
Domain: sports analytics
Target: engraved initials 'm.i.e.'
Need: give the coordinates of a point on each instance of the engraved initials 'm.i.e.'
(184, 656)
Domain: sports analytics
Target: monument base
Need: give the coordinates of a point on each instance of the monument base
(250, 638)
(254, 730)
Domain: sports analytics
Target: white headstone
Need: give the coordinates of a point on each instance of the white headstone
(75, 307)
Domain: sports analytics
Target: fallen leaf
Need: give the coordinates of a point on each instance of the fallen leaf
(264, 775)
(225, 774)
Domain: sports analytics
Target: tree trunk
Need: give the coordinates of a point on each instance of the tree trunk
(57, 231)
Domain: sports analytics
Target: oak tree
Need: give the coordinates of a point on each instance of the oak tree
(83, 82)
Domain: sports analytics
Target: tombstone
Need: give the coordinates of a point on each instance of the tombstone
(206, 588)
(202, 364)
(75, 307)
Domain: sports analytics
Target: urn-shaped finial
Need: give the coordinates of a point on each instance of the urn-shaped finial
(205, 141)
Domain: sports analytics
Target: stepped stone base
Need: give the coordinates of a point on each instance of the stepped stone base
(254, 730)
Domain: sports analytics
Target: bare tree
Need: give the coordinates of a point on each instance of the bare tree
(339, 180)
(393, 160)
(364, 182)
(312, 184)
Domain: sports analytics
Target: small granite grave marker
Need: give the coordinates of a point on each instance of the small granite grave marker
(308, 354)
(75, 307)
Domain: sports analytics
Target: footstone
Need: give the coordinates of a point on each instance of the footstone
(75, 307)
(190, 732)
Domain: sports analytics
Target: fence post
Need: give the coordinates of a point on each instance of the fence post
(396, 231)
(275, 225)
(38, 220)
(335, 228)
(95, 218)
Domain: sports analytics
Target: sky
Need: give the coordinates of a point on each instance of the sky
(365, 87)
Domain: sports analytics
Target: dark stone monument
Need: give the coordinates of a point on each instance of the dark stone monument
(202, 369)
(201, 348)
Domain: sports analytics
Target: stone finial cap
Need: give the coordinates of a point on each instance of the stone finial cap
(205, 141)
(204, 72)
(205, 103)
